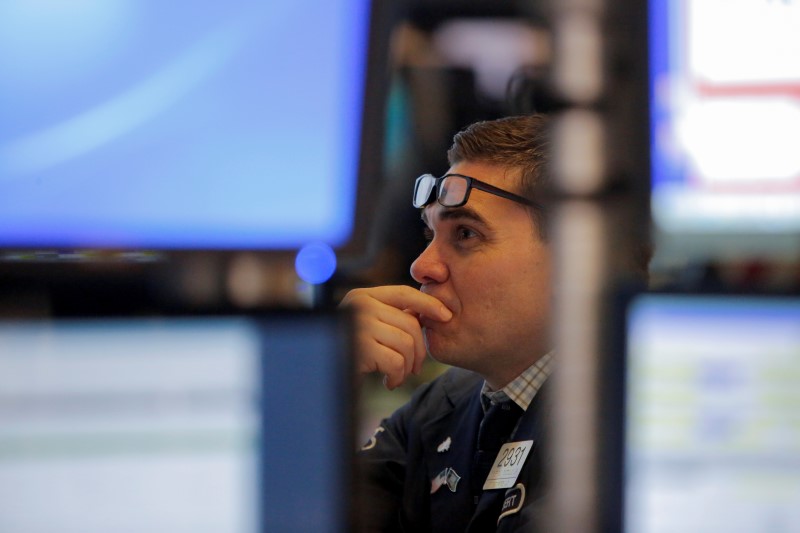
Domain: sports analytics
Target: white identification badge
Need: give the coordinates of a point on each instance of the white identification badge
(507, 465)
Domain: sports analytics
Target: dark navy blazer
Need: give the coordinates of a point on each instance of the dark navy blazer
(410, 449)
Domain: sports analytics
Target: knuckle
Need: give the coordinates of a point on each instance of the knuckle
(353, 297)
(396, 365)
(407, 343)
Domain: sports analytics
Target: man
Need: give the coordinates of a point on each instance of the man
(484, 307)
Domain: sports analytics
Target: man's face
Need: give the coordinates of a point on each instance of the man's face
(487, 264)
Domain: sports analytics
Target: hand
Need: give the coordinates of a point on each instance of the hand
(388, 337)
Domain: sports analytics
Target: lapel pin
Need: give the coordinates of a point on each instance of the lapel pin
(447, 477)
(444, 446)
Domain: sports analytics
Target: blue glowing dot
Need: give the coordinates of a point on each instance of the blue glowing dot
(315, 263)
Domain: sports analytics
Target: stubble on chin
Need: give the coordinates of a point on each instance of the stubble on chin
(430, 345)
(434, 344)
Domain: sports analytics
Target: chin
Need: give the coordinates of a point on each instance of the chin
(438, 351)
(433, 344)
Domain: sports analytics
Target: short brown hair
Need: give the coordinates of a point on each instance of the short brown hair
(520, 142)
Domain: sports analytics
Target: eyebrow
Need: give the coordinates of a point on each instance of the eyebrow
(458, 213)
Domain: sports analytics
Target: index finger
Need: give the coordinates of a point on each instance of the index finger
(410, 299)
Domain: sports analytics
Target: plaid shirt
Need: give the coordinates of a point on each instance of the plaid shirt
(523, 388)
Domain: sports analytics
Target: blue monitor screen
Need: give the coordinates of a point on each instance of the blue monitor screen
(181, 424)
(180, 124)
(713, 414)
(725, 95)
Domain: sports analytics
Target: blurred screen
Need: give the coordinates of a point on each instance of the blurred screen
(180, 124)
(725, 95)
(172, 425)
(713, 414)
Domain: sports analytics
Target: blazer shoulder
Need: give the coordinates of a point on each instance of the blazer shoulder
(452, 390)
(453, 386)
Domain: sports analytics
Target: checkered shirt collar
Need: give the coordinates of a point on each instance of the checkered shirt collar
(524, 387)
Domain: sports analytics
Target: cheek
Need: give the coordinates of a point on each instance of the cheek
(528, 290)
(475, 289)
(488, 299)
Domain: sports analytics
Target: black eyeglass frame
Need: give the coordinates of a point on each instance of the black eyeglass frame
(471, 183)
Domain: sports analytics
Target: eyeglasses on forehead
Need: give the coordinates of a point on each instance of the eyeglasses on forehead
(452, 190)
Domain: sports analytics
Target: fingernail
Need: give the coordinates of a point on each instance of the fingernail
(445, 313)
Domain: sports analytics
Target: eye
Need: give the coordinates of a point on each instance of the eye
(464, 233)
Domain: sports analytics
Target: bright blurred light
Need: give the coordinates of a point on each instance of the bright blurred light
(743, 139)
(315, 263)
(59, 40)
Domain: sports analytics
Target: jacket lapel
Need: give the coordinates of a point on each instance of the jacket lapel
(449, 445)
(491, 501)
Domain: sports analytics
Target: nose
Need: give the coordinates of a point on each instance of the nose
(429, 267)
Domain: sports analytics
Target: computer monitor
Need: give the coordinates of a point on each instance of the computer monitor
(221, 423)
(711, 432)
(725, 118)
(188, 125)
